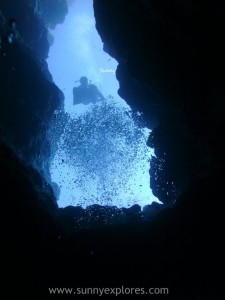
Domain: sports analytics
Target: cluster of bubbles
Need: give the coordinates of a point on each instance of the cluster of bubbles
(8, 33)
(101, 157)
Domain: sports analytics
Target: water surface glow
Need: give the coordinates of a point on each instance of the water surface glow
(101, 157)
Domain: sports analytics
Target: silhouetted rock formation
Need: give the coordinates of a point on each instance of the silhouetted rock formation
(174, 52)
(50, 12)
(28, 95)
(180, 248)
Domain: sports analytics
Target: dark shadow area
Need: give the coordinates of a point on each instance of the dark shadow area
(174, 53)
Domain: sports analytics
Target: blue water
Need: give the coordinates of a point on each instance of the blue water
(102, 157)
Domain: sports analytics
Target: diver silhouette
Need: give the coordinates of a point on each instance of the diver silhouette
(86, 93)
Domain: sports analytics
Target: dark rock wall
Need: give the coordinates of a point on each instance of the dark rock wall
(31, 31)
(51, 12)
(28, 95)
(181, 248)
(173, 52)
(28, 222)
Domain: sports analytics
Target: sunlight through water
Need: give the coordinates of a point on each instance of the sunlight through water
(102, 156)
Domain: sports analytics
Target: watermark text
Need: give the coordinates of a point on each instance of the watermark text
(109, 291)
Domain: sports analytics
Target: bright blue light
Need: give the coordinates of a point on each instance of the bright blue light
(117, 179)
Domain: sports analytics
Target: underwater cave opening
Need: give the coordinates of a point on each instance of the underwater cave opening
(101, 153)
